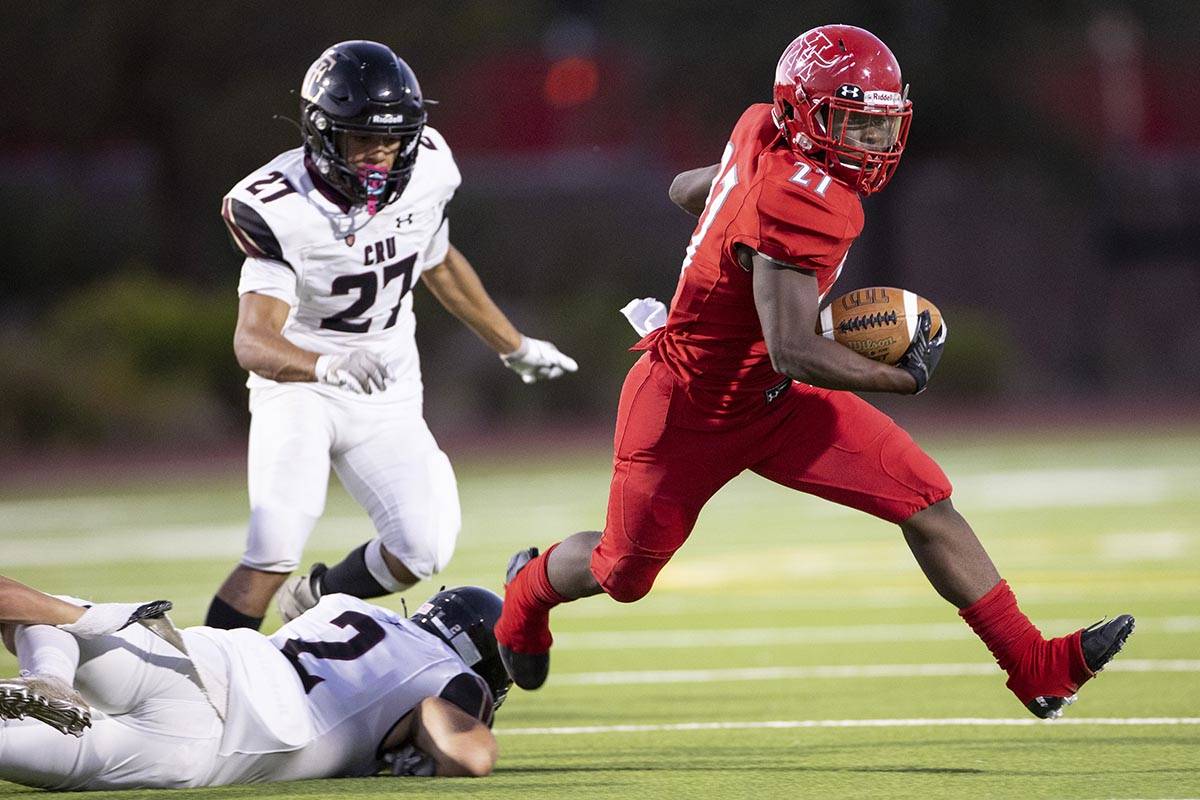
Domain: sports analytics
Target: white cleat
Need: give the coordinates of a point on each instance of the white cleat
(47, 700)
(300, 593)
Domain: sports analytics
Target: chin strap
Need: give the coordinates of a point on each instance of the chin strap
(374, 180)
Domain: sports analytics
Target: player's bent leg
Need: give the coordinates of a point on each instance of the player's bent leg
(569, 567)
(408, 487)
(522, 633)
(950, 554)
(112, 755)
(274, 545)
(137, 675)
(860, 458)
(243, 598)
(49, 658)
(367, 571)
(287, 476)
(533, 585)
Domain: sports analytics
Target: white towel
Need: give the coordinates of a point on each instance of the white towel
(645, 314)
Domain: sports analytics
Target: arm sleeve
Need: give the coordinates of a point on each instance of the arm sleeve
(793, 228)
(272, 278)
(468, 692)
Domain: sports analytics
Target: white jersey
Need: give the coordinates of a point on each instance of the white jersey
(318, 698)
(347, 276)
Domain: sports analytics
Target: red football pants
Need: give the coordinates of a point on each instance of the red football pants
(667, 463)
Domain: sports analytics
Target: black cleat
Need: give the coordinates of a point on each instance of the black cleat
(1099, 643)
(147, 611)
(527, 670)
(1050, 707)
(1102, 641)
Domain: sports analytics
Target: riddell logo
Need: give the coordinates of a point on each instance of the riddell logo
(387, 119)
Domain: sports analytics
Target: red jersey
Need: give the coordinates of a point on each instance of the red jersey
(766, 198)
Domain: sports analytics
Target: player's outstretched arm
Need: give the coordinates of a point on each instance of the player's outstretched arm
(458, 288)
(787, 299)
(438, 738)
(24, 605)
(690, 189)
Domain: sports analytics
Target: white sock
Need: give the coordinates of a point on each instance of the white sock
(378, 568)
(46, 652)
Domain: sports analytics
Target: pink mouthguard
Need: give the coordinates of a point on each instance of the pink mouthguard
(374, 180)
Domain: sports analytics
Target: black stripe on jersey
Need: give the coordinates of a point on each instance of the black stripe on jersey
(445, 216)
(250, 232)
(469, 692)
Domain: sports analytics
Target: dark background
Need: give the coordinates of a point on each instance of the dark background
(1047, 202)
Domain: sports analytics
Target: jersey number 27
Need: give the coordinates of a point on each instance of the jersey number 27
(367, 286)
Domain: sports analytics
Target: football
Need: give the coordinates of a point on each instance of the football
(878, 322)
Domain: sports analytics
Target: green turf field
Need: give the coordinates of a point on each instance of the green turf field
(793, 649)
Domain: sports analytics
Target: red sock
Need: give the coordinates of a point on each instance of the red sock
(1035, 666)
(524, 625)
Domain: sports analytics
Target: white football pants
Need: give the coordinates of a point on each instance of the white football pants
(383, 454)
(151, 725)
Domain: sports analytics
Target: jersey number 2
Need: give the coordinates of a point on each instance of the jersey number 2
(368, 633)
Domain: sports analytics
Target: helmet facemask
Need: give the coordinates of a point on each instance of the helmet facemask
(863, 143)
(374, 185)
(860, 143)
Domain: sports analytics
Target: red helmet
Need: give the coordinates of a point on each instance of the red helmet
(838, 95)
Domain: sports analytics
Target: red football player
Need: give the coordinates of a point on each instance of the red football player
(737, 379)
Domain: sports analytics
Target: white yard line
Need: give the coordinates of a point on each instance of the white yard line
(837, 671)
(160, 543)
(820, 634)
(979, 722)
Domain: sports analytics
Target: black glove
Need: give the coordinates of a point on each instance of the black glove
(409, 762)
(922, 356)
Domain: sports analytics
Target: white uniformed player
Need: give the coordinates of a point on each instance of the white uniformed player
(348, 689)
(336, 234)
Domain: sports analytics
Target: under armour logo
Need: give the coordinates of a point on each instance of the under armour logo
(849, 91)
(772, 394)
(404, 220)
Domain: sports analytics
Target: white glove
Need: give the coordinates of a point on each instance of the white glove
(536, 359)
(361, 371)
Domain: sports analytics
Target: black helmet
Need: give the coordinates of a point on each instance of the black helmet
(464, 618)
(361, 87)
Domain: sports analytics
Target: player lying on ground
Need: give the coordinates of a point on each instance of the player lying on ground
(337, 235)
(347, 689)
(737, 379)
